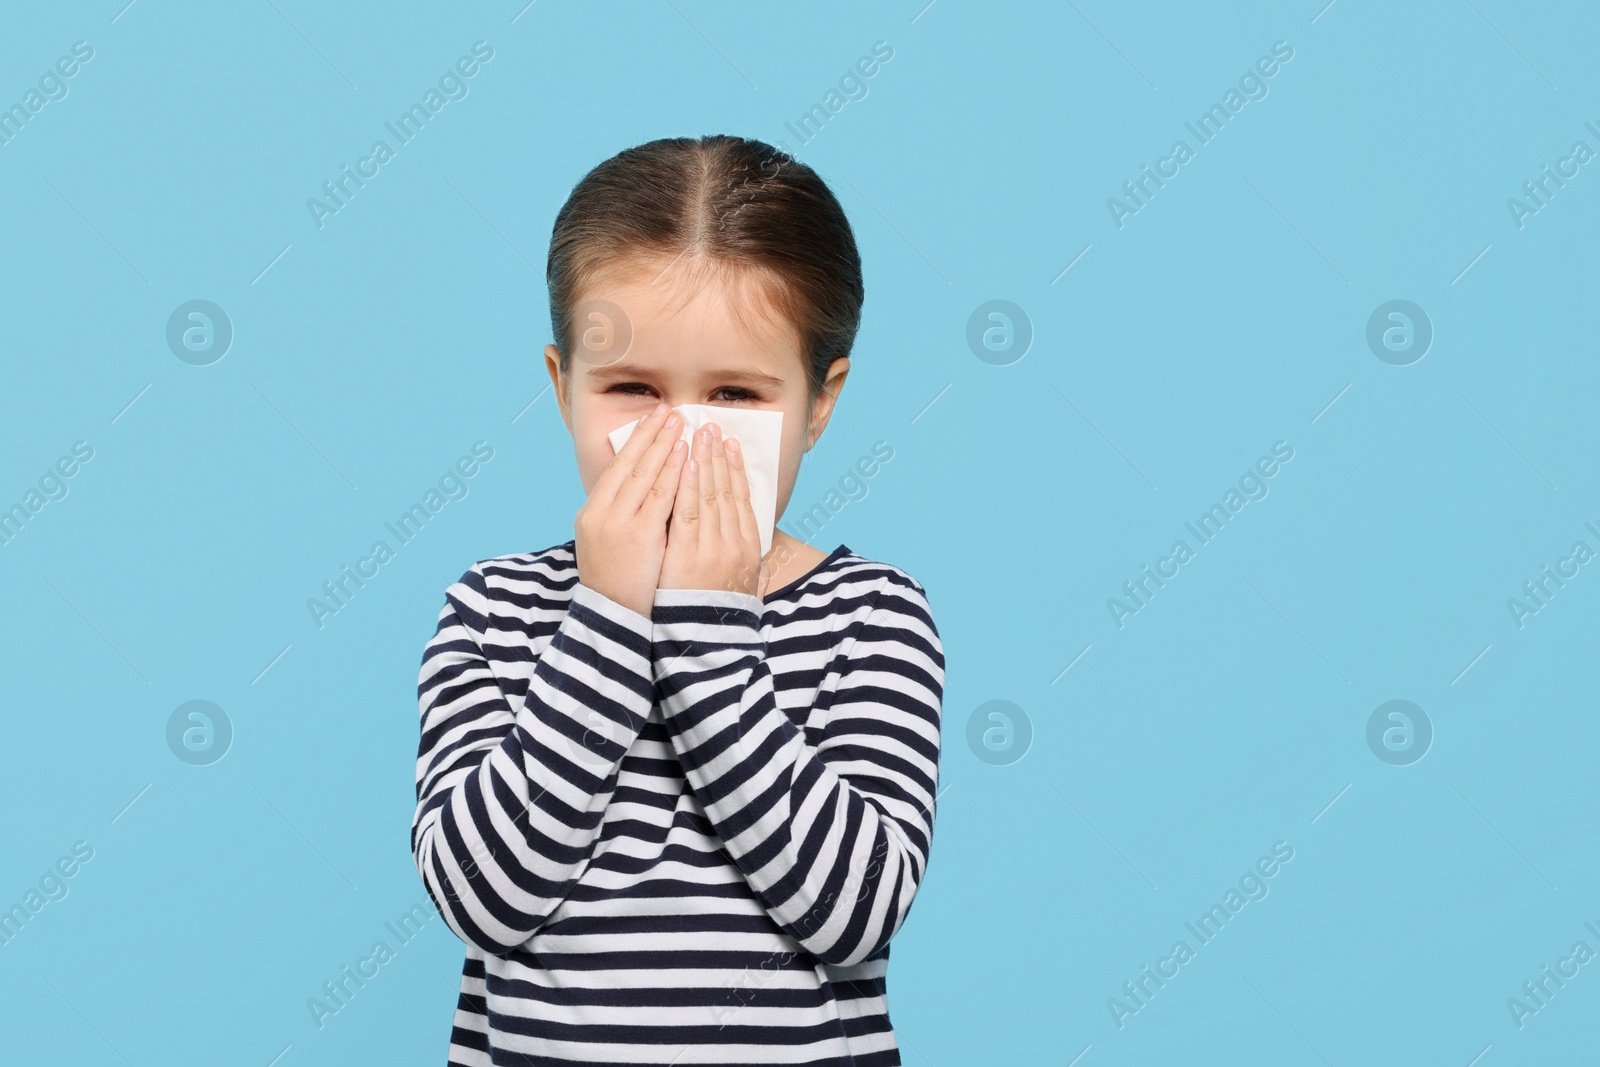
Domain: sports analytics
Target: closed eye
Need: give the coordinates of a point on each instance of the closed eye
(734, 394)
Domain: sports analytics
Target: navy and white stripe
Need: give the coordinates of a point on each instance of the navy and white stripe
(682, 839)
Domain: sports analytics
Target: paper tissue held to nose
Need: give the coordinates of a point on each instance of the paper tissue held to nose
(760, 435)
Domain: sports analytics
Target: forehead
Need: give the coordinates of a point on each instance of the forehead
(687, 320)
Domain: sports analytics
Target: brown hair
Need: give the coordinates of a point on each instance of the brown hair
(716, 206)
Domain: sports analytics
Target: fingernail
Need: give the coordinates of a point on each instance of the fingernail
(733, 445)
(659, 408)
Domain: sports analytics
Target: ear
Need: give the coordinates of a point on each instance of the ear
(552, 364)
(822, 406)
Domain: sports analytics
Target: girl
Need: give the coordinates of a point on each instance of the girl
(676, 797)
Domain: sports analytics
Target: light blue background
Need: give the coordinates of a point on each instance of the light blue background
(1228, 314)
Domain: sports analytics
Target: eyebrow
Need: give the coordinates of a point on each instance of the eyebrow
(622, 371)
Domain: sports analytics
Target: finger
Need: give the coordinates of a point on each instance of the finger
(748, 535)
(748, 528)
(722, 486)
(616, 473)
(710, 499)
(631, 494)
(705, 490)
(686, 507)
(658, 505)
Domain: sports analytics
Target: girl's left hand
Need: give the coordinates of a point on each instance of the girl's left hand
(713, 541)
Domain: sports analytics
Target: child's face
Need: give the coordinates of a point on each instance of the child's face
(688, 353)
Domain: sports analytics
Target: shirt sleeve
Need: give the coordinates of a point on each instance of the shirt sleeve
(511, 789)
(833, 838)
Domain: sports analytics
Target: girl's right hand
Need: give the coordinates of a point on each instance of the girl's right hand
(622, 528)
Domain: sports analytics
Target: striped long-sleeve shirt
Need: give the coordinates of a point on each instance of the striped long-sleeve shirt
(683, 839)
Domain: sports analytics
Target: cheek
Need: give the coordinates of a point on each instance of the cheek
(790, 458)
(589, 470)
(795, 445)
(593, 452)
(598, 456)
(592, 415)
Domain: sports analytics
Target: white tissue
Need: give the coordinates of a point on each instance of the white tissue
(760, 435)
